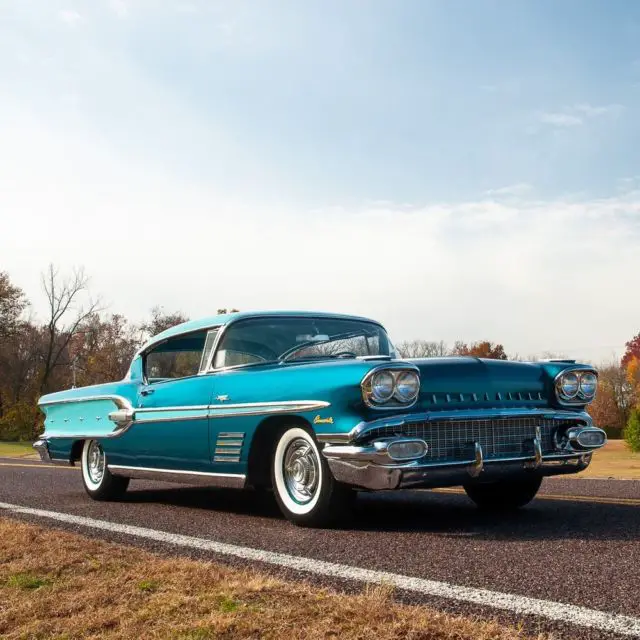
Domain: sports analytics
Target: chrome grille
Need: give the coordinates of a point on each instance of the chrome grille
(451, 440)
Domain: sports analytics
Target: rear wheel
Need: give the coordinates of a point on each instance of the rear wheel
(98, 481)
(305, 490)
(505, 495)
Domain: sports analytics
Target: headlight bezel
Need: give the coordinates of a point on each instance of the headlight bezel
(376, 396)
(581, 392)
(579, 398)
(395, 400)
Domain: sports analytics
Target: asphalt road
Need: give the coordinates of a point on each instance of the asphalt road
(578, 543)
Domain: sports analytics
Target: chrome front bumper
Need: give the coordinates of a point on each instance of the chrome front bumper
(369, 466)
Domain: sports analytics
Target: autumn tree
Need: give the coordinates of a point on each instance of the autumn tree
(483, 349)
(103, 348)
(615, 398)
(632, 351)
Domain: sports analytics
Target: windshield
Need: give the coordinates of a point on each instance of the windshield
(260, 340)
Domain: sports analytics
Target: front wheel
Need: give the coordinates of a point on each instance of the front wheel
(98, 481)
(305, 490)
(504, 495)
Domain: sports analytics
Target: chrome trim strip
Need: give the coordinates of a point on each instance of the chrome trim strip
(186, 407)
(265, 408)
(234, 480)
(151, 420)
(119, 401)
(126, 415)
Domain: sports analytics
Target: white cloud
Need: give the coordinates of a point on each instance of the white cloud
(578, 114)
(517, 189)
(560, 119)
(536, 275)
(592, 111)
(70, 17)
(119, 7)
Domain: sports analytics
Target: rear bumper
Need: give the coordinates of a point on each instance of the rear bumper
(42, 448)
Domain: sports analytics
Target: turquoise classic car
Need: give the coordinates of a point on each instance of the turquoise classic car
(315, 406)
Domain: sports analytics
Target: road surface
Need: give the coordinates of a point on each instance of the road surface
(577, 544)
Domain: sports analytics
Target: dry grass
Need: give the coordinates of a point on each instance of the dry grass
(614, 460)
(59, 585)
(17, 450)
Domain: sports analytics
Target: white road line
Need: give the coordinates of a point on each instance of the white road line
(521, 605)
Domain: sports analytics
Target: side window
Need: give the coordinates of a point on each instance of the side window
(178, 357)
(233, 358)
(208, 347)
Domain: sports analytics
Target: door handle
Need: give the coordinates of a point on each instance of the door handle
(146, 392)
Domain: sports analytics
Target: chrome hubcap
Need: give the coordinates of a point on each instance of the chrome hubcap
(95, 462)
(301, 470)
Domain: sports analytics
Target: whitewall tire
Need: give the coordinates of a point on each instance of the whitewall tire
(98, 481)
(305, 490)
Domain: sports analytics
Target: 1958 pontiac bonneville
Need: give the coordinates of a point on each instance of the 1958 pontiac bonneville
(315, 405)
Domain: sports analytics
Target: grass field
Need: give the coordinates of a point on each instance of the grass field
(55, 584)
(614, 460)
(16, 449)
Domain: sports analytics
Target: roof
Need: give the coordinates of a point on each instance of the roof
(226, 318)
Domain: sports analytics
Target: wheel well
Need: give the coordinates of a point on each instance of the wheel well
(259, 473)
(76, 451)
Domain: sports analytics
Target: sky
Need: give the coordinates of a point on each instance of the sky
(455, 169)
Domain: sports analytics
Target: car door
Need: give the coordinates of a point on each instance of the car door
(171, 418)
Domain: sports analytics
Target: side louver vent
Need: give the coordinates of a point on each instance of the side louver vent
(229, 446)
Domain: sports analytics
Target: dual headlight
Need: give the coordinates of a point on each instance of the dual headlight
(576, 386)
(391, 387)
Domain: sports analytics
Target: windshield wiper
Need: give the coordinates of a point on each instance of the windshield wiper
(318, 356)
(312, 343)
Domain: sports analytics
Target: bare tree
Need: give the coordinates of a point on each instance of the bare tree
(422, 349)
(161, 321)
(65, 317)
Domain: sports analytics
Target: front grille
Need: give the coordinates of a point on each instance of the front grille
(451, 440)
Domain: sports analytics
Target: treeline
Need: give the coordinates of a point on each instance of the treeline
(77, 343)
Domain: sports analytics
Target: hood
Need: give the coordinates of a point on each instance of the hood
(466, 382)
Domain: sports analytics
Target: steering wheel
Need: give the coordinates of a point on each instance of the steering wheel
(345, 354)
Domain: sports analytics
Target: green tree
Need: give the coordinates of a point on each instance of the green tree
(632, 432)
